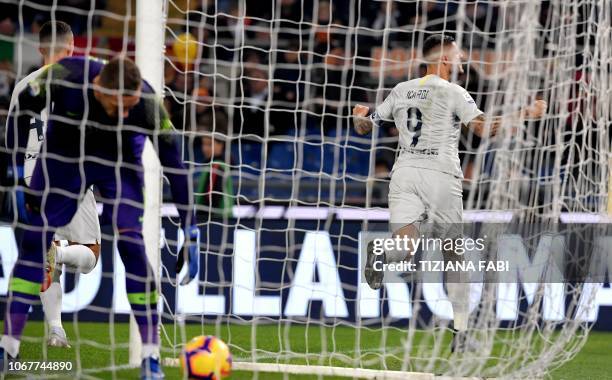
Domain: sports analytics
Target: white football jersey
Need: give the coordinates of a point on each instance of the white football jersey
(85, 226)
(38, 126)
(424, 112)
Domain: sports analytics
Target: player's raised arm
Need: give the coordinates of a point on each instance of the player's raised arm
(488, 126)
(362, 123)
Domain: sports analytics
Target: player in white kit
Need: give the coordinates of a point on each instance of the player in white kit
(76, 245)
(426, 178)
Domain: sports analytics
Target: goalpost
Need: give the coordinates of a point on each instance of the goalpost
(150, 31)
(280, 271)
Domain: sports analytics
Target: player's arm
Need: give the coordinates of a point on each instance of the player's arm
(26, 102)
(364, 123)
(488, 126)
(15, 139)
(167, 142)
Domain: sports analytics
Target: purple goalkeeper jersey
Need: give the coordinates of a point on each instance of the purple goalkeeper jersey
(78, 126)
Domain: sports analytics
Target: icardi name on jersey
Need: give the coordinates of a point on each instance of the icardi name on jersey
(417, 94)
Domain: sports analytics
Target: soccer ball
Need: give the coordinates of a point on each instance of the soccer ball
(206, 358)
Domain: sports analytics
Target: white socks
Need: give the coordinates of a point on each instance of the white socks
(52, 304)
(458, 290)
(149, 350)
(79, 257)
(10, 345)
(459, 296)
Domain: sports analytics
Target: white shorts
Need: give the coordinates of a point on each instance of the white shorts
(419, 195)
(84, 228)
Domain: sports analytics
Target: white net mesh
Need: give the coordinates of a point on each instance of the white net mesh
(288, 73)
(283, 185)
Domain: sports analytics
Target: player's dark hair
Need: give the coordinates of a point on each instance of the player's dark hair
(110, 76)
(437, 41)
(62, 30)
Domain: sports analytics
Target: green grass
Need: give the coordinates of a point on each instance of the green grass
(95, 341)
(593, 362)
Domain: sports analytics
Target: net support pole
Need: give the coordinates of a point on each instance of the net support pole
(150, 21)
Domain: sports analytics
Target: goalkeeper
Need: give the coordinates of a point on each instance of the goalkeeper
(78, 244)
(97, 128)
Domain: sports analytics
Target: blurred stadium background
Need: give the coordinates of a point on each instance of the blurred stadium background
(279, 79)
(274, 82)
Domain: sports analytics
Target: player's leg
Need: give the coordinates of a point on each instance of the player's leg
(80, 239)
(406, 211)
(81, 257)
(446, 211)
(51, 292)
(50, 209)
(444, 201)
(126, 200)
(51, 299)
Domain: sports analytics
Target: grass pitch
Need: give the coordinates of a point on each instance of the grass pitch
(93, 357)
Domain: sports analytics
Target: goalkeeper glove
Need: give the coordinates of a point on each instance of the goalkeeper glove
(189, 253)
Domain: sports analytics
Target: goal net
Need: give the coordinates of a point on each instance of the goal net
(286, 191)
